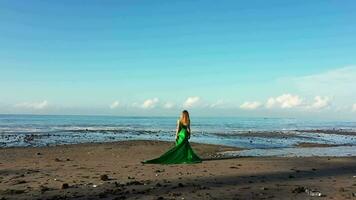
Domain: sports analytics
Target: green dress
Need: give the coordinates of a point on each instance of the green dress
(182, 152)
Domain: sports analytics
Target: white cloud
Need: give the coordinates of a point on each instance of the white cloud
(115, 104)
(150, 103)
(33, 105)
(338, 82)
(354, 107)
(270, 102)
(218, 104)
(168, 105)
(320, 102)
(191, 102)
(250, 105)
(284, 101)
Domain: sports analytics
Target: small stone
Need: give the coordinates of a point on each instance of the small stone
(180, 185)
(264, 188)
(120, 197)
(43, 188)
(175, 194)
(158, 185)
(117, 184)
(57, 160)
(134, 183)
(102, 195)
(203, 187)
(298, 189)
(291, 176)
(104, 177)
(38, 153)
(13, 191)
(18, 182)
(65, 186)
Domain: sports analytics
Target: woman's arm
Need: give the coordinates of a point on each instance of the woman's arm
(189, 131)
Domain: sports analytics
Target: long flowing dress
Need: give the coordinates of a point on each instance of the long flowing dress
(182, 152)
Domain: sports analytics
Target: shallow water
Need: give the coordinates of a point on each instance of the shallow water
(251, 133)
(340, 151)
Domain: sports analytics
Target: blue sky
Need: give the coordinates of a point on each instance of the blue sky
(233, 58)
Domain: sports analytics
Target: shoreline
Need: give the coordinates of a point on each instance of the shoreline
(113, 170)
(244, 139)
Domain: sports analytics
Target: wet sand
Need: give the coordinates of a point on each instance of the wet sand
(309, 144)
(114, 171)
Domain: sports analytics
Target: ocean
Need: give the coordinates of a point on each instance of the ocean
(248, 133)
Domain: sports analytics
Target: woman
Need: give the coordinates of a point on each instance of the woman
(182, 152)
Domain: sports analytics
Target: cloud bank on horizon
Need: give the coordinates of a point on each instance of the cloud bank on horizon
(337, 84)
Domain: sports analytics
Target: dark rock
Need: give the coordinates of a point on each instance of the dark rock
(12, 192)
(158, 185)
(18, 182)
(65, 186)
(18, 176)
(160, 198)
(291, 176)
(104, 177)
(43, 188)
(102, 195)
(134, 183)
(57, 160)
(180, 185)
(298, 189)
(174, 194)
(264, 188)
(118, 184)
(120, 198)
(38, 153)
(159, 171)
(203, 187)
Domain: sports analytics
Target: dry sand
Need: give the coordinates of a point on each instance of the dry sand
(114, 171)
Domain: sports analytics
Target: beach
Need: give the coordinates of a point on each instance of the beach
(113, 170)
(98, 97)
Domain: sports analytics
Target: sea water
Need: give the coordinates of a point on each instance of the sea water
(248, 133)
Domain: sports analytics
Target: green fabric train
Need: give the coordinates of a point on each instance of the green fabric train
(181, 153)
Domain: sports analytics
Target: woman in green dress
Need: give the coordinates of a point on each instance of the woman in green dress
(182, 152)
